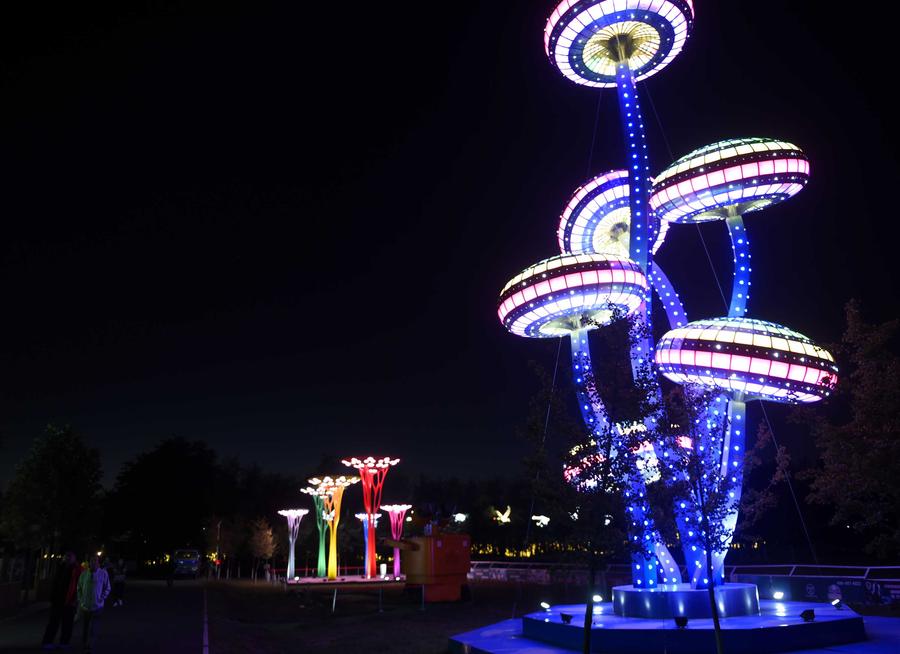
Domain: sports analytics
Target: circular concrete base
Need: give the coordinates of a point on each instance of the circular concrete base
(670, 600)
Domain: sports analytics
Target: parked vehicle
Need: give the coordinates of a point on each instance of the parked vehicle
(186, 563)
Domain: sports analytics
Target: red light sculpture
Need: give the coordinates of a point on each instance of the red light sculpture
(372, 472)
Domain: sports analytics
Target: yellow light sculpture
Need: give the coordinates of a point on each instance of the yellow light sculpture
(333, 492)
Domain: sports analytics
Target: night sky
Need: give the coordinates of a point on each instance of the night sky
(282, 228)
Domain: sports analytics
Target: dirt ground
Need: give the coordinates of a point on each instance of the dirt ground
(246, 617)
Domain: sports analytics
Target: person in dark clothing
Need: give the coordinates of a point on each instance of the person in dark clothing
(63, 602)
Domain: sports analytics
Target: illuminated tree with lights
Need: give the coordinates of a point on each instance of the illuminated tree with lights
(372, 472)
(318, 495)
(332, 489)
(397, 513)
(294, 516)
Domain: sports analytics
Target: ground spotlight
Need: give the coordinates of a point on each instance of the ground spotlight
(545, 606)
(681, 622)
(838, 604)
(598, 598)
(808, 615)
(565, 617)
(778, 595)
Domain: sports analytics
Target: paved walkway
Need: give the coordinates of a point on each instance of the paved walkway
(154, 619)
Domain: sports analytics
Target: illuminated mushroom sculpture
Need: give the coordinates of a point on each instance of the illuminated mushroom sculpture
(397, 512)
(609, 43)
(597, 220)
(294, 516)
(372, 471)
(333, 492)
(724, 181)
(748, 360)
(568, 295)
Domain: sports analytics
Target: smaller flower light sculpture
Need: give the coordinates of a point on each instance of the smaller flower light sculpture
(750, 360)
(333, 489)
(294, 516)
(318, 496)
(397, 512)
(364, 519)
(372, 471)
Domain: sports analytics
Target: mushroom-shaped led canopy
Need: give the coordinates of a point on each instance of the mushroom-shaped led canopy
(735, 176)
(598, 218)
(586, 39)
(763, 359)
(569, 292)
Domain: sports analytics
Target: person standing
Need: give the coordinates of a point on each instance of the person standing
(118, 584)
(63, 599)
(93, 589)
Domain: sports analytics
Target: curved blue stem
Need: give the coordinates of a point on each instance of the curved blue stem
(740, 244)
(733, 473)
(666, 291)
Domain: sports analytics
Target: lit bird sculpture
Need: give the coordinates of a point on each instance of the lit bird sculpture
(372, 471)
(397, 513)
(294, 516)
(541, 520)
(503, 518)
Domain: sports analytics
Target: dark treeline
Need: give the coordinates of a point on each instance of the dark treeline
(182, 494)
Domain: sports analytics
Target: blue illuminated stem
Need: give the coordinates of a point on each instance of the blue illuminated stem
(740, 290)
(365, 528)
(589, 403)
(733, 470)
(671, 302)
(637, 164)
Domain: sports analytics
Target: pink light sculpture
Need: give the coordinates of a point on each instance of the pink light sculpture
(372, 472)
(397, 513)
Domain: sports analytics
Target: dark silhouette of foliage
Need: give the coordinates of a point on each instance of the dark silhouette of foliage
(857, 435)
(52, 501)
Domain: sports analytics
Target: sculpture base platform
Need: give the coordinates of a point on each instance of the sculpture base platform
(778, 628)
(347, 581)
(670, 600)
